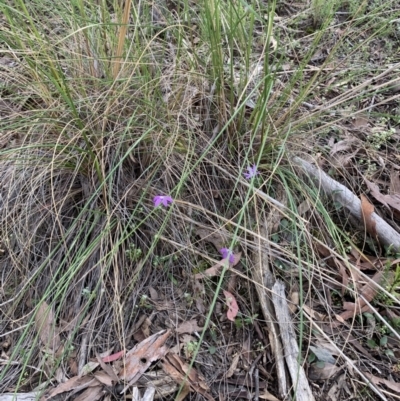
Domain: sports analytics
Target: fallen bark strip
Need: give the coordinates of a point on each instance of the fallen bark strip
(263, 275)
(387, 235)
(289, 342)
(20, 396)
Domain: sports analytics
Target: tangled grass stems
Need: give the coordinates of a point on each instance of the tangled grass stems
(106, 113)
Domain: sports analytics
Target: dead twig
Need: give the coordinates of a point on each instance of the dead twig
(289, 342)
(262, 274)
(386, 234)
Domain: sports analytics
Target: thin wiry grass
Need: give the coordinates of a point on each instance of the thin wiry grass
(107, 115)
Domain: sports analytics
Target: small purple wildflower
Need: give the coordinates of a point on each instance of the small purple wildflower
(165, 200)
(225, 252)
(251, 172)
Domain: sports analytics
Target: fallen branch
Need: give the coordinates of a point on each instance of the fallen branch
(387, 235)
(262, 274)
(300, 384)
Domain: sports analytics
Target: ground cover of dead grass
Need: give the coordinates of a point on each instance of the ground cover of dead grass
(103, 295)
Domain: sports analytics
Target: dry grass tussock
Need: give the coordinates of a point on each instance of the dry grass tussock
(86, 145)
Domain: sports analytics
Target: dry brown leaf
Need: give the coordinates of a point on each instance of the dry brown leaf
(342, 146)
(360, 122)
(313, 314)
(106, 353)
(369, 290)
(362, 261)
(104, 378)
(178, 377)
(233, 307)
(108, 369)
(327, 254)
(367, 294)
(69, 326)
(367, 209)
(304, 207)
(337, 387)
(323, 372)
(215, 237)
(46, 327)
(387, 200)
(189, 326)
(90, 394)
(217, 268)
(184, 372)
(73, 365)
(233, 366)
(142, 330)
(200, 305)
(378, 380)
(153, 294)
(89, 367)
(184, 339)
(294, 297)
(211, 272)
(195, 379)
(139, 358)
(75, 383)
(345, 277)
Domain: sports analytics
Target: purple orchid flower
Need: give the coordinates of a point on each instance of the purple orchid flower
(251, 172)
(165, 200)
(227, 253)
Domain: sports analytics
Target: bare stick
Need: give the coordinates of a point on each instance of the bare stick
(289, 342)
(386, 234)
(263, 275)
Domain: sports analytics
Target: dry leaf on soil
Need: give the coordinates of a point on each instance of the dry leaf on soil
(233, 307)
(189, 327)
(108, 369)
(386, 200)
(232, 368)
(217, 268)
(342, 146)
(75, 383)
(89, 367)
(178, 378)
(367, 209)
(378, 380)
(323, 372)
(345, 277)
(181, 372)
(46, 327)
(367, 294)
(91, 394)
(360, 122)
(103, 378)
(139, 358)
(215, 237)
(211, 272)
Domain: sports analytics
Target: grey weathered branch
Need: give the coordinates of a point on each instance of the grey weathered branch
(387, 235)
(300, 383)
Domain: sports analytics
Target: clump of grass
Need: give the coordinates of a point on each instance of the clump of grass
(107, 110)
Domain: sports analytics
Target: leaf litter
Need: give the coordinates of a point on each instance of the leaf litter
(345, 279)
